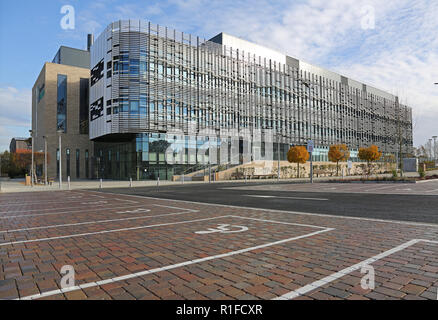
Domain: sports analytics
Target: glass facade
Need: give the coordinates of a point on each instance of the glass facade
(61, 113)
(165, 83)
(147, 156)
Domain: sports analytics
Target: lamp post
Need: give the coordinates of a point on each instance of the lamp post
(278, 156)
(45, 160)
(59, 132)
(31, 168)
(311, 88)
(435, 150)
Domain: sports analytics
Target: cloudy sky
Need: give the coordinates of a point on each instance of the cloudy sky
(390, 44)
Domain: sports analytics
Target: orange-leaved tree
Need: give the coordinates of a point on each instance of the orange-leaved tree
(298, 155)
(369, 155)
(337, 153)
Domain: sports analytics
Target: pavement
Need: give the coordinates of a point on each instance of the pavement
(17, 185)
(233, 241)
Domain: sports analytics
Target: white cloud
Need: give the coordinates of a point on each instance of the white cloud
(15, 114)
(400, 55)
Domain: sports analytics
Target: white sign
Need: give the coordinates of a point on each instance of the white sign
(350, 164)
(224, 228)
(310, 146)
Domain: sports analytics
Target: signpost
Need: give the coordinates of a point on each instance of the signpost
(310, 147)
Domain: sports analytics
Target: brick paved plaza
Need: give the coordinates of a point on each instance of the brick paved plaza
(130, 247)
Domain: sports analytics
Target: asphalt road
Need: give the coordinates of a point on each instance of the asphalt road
(412, 208)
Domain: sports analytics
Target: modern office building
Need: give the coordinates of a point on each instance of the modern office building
(60, 106)
(152, 87)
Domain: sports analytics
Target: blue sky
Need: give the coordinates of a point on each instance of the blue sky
(399, 53)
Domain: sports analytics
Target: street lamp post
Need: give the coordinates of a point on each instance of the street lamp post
(311, 88)
(435, 150)
(31, 168)
(60, 162)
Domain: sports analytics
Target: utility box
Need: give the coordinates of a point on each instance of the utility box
(410, 165)
(27, 181)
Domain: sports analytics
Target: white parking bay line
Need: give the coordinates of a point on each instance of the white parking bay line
(170, 267)
(93, 222)
(107, 231)
(279, 197)
(88, 202)
(317, 284)
(81, 210)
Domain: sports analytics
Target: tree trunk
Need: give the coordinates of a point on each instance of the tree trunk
(298, 170)
(337, 169)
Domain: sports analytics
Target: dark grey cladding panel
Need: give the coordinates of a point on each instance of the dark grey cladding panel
(364, 88)
(217, 39)
(344, 80)
(292, 62)
(74, 57)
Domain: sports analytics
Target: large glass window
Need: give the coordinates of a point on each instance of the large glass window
(61, 113)
(84, 106)
(67, 154)
(57, 163)
(78, 163)
(87, 159)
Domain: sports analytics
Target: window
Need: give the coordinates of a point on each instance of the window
(78, 163)
(67, 160)
(41, 92)
(61, 112)
(83, 106)
(87, 173)
(133, 106)
(57, 163)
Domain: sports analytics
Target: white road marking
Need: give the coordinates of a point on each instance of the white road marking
(436, 190)
(92, 222)
(378, 189)
(170, 267)
(75, 235)
(281, 222)
(433, 225)
(97, 203)
(317, 284)
(163, 206)
(224, 228)
(81, 210)
(279, 197)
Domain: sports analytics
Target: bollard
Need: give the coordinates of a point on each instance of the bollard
(158, 182)
(68, 181)
(101, 184)
(130, 182)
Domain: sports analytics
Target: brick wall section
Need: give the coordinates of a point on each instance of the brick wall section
(44, 118)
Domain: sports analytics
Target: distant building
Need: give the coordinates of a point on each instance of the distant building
(20, 145)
